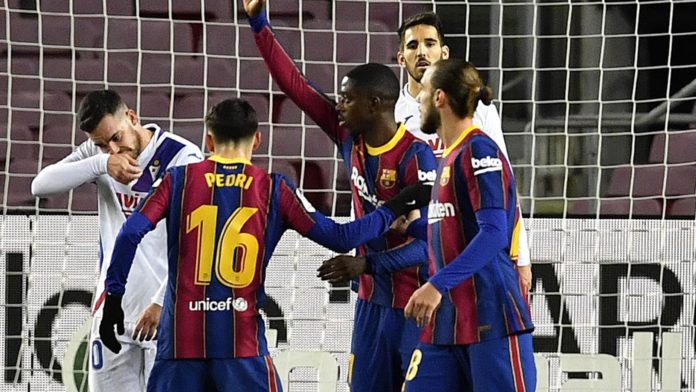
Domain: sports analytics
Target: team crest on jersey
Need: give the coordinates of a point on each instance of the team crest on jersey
(388, 178)
(445, 176)
(154, 168)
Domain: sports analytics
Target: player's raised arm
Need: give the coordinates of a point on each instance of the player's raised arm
(285, 73)
(82, 166)
(302, 217)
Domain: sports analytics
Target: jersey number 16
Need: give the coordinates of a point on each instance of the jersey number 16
(232, 242)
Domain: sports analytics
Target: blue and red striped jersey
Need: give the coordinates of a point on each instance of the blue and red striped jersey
(473, 177)
(376, 173)
(224, 219)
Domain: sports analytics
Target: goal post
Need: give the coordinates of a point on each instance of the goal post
(597, 100)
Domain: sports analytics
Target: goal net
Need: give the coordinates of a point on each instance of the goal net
(597, 101)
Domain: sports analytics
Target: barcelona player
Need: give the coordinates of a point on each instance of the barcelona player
(381, 157)
(478, 327)
(422, 44)
(224, 219)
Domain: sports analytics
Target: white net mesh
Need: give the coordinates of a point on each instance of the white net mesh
(597, 103)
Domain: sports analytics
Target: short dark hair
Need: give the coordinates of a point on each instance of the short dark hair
(95, 106)
(231, 120)
(461, 81)
(424, 18)
(377, 79)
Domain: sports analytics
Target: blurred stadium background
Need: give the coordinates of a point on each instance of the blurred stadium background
(598, 103)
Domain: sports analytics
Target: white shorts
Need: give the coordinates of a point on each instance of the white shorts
(126, 371)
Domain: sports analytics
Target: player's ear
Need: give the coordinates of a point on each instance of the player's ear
(400, 59)
(439, 97)
(132, 117)
(445, 52)
(376, 103)
(209, 142)
(257, 141)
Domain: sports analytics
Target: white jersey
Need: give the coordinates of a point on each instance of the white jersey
(116, 202)
(485, 117)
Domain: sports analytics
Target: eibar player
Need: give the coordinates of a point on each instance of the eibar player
(478, 326)
(381, 158)
(124, 158)
(224, 218)
(422, 44)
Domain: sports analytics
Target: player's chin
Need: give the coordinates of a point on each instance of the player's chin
(349, 126)
(419, 71)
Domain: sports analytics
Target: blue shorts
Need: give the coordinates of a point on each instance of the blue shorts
(381, 348)
(203, 375)
(505, 364)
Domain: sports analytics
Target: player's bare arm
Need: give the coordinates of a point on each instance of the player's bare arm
(146, 327)
(123, 168)
(253, 7)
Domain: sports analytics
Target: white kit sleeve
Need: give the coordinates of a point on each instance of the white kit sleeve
(80, 167)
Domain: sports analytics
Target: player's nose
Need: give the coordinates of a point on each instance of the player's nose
(112, 148)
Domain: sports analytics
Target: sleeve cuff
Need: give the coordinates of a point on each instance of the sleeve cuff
(438, 285)
(259, 22)
(103, 164)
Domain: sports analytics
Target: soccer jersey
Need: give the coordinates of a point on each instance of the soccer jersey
(487, 119)
(224, 219)
(376, 173)
(117, 201)
(473, 175)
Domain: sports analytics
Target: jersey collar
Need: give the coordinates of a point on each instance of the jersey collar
(229, 161)
(459, 140)
(149, 151)
(390, 144)
(407, 95)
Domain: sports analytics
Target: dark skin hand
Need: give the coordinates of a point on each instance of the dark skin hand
(342, 268)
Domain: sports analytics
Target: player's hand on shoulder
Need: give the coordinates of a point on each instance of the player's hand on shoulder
(342, 268)
(400, 224)
(253, 7)
(112, 316)
(123, 168)
(146, 327)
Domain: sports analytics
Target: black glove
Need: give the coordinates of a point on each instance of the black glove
(112, 315)
(410, 198)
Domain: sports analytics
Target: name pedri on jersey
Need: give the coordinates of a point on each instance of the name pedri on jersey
(224, 219)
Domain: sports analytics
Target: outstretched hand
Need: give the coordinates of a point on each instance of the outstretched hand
(342, 268)
(112, 315)
(253, 7)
